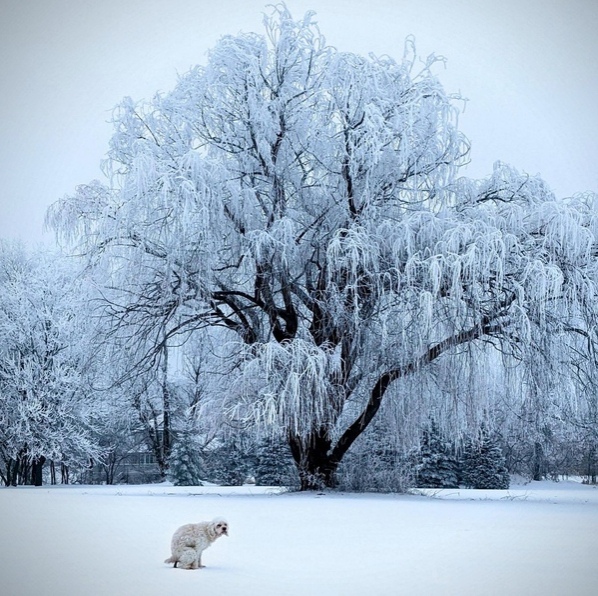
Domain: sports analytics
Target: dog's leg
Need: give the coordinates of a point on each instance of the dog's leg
(199, 560)
(188, 559)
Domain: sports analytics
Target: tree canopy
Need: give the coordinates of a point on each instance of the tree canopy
(308, 202)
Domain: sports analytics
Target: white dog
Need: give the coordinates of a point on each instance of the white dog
(190, 540)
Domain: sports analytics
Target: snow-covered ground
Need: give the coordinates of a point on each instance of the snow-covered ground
(534, 539)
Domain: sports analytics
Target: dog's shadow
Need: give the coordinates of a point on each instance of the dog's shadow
(206, 569)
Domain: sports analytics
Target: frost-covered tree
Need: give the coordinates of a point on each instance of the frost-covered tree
(117, 433)
(201, 380)
(306, 200)
(47, 407)
(437, 466)
(274, 463)
(231, 461)
(146, 400)
(376, 462)
(483, 463)
(185, 463)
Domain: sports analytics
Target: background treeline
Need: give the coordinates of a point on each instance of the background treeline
(71, 413)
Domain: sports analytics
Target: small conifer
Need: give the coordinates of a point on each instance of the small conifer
(436, 465)
(483, 464)
(185, 463)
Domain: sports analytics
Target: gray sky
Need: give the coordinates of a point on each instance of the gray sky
(528, 67)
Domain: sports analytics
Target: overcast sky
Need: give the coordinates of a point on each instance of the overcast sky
(528, 67)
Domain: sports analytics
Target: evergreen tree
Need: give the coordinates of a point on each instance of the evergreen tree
(274, 466)
(186, 467)
(230, 463)
(483, 464)
(377, 463)
(437, 466)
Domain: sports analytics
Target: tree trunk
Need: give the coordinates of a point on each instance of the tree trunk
(165, 443)
(109, 466)
(37, 466)
(317, 469)
(11, 473)
(538, 469)
(592, 465)
(21, 468)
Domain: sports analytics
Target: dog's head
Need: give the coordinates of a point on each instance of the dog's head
(219, 527)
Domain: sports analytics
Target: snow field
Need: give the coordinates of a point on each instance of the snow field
(541, 539)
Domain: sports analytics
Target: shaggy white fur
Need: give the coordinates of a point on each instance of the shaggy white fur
(190, 540)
